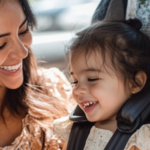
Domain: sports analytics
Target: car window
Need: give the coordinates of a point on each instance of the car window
(57, 22)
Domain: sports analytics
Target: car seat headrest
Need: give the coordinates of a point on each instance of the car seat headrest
(134, 111)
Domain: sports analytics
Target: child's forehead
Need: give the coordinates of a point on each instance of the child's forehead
(88, 57)
(91, 59)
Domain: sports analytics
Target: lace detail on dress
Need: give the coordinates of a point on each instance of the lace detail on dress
(140, 139)
(97, 139)
(33, 136)
(62, 127)
(30, 138)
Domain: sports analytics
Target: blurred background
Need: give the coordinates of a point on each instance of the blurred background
(57, 23)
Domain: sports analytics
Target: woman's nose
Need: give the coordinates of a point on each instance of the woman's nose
(18, 50)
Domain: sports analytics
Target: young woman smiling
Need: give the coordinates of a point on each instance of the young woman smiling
(27, 106)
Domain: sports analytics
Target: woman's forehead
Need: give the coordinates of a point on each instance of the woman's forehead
(10, 13)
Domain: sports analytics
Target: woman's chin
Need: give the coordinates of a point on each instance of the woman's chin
(15, 85)
(14, 88)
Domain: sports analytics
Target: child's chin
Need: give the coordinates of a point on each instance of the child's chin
(90, 119)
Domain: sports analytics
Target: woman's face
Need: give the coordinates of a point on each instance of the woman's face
(15, 40)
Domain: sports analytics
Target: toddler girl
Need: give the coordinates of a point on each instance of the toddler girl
(109, 62)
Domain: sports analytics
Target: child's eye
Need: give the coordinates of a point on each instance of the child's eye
(94, 79)
(24, 32)
(75, 82)
(2, 46)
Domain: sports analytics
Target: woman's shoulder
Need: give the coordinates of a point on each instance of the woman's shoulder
(140, 139)
(62, 127)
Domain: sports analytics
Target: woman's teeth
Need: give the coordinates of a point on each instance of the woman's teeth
(89, 104)
(11, 68)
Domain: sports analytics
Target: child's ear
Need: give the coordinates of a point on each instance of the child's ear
(140, 79)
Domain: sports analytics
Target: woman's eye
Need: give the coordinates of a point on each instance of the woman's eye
(24, 32)
(94, 79)
(2, 46)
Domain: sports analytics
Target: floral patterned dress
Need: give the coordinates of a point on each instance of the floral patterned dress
(33, 136)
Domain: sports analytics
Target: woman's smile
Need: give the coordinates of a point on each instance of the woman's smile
(13, 70)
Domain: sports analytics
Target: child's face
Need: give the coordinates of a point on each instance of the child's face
(97, 89)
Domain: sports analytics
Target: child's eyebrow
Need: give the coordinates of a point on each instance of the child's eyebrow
(92, 69)
(88, 70)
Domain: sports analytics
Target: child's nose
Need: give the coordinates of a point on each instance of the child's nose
(80, 89)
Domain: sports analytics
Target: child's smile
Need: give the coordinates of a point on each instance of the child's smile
(88, 106)
(96, 87)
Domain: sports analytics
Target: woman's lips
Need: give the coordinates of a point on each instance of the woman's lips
(11, 73)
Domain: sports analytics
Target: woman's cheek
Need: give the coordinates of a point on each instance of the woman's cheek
(3, 56)
(27, 40)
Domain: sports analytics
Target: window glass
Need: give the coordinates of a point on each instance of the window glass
(57, 22)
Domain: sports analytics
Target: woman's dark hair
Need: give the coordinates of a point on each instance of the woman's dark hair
(127, 47)
(27, 10)
(34, 96)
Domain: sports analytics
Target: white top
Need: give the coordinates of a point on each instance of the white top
(98, 138)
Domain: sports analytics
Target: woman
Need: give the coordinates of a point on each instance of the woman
(29, 99)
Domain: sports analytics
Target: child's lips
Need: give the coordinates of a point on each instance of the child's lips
(88, 109)
(88, 106)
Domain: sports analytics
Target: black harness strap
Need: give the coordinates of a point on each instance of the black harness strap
(78, 135)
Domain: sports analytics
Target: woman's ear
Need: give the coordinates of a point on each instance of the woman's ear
(140, 79)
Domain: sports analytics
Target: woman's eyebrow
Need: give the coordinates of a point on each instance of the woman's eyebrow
(7, 34)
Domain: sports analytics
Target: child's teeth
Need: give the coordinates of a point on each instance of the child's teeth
(89, 104)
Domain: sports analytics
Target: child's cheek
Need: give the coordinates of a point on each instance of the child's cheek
(75, 97)
(96, 91)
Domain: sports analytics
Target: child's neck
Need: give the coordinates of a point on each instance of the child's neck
(107, 125)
